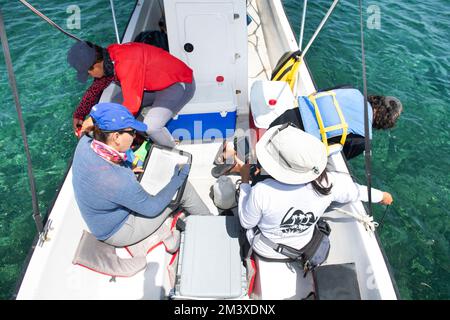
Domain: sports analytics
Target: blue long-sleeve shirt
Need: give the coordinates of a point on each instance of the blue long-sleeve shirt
(107, 193)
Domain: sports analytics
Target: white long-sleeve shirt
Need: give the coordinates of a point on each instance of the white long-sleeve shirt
(287, 213)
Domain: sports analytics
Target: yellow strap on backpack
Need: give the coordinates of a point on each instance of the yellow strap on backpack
(288, 72)
(323, 130)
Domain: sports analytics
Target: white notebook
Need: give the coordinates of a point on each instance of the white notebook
(160, 169)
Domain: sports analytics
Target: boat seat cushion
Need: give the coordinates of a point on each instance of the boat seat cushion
(101, 257)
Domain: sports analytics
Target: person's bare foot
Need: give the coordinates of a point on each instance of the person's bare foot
(229, 153)
(237, 167)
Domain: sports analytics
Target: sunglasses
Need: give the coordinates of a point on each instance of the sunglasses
(131, 132)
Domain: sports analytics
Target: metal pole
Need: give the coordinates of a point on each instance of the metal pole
(114, 19)
(302, 28)
(49, 21)
(322, 23)
(12, 81)
(367, 142)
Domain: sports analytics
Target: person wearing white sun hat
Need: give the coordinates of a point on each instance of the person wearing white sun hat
(286, 206)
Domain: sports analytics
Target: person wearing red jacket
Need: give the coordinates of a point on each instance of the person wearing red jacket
(148, 77)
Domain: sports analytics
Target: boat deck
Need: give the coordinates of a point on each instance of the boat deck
(51, 274)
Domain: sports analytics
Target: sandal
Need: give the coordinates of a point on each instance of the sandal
(242, 148)
(218, 159)
(221, 157)
(225, 164)
(222, 169)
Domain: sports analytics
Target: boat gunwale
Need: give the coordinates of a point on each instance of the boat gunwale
(37, 236)
(377, 237)
(52, 203)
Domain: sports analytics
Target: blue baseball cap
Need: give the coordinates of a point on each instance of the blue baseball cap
(81, 57)
(111, 116)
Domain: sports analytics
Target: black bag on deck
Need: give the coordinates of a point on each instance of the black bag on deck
(155, 38)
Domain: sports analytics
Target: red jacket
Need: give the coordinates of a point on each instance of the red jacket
(140, 67)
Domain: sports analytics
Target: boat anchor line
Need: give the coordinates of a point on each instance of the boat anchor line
(367, 147)
(48, 20)
(12, 81)
(366, 220)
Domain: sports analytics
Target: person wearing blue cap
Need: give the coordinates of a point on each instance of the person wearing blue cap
(115, 207)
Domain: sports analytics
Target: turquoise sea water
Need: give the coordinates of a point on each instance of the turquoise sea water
(407, 57)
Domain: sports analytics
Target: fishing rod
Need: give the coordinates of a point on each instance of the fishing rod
(367, 144)
(48, 20)
(12, 81)
(381, 223)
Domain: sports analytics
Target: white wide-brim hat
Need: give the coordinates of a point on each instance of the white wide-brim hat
(291, 155)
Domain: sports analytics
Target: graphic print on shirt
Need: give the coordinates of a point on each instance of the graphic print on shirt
(297, 221)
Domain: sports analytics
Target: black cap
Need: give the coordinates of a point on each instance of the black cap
(81, 57)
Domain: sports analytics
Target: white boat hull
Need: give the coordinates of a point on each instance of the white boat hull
(51, 275)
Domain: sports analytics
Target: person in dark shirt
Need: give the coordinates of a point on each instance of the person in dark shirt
(90, 98)
(148, 77)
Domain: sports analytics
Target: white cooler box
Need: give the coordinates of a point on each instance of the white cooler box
(211, 114)
(269, 100)
(210, 36)
(210, 264)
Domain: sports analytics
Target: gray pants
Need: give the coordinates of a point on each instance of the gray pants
(138, 227)
(159, 107)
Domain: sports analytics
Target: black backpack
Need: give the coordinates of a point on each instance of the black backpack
(155, 38)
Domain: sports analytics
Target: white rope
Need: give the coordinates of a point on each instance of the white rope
(114, 20)
(365, 219)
